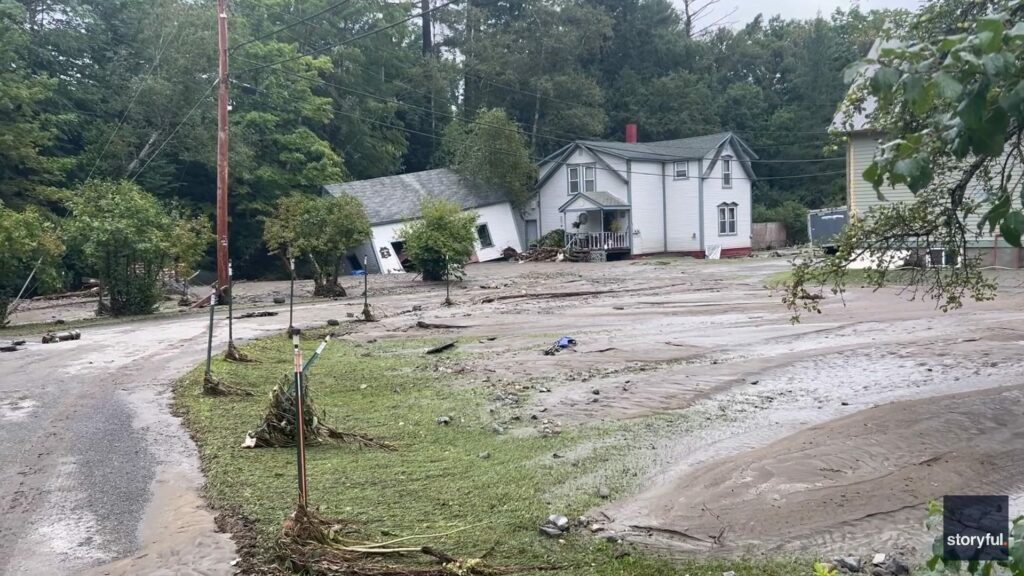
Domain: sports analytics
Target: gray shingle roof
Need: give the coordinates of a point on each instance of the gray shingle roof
(601, 198)
(696, 147)
(397, 198)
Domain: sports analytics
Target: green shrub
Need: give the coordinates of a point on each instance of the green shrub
(129, 240)
(27, 238)
(793, 216)
(441, 241)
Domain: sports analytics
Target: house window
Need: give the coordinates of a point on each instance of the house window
(682, 170)
(726, 173)
(582, 177)
(484, 235)
(726, 219)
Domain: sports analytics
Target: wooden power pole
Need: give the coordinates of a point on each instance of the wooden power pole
(222, 149)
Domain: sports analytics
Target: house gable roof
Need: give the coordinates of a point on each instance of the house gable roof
(694, 148)
(594, 200)
(848, 118)
(396, 198)
(667, 150)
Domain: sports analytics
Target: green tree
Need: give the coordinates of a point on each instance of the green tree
(130, 240)
(493, 151)
(322, 229)
(33, 248)
(793, 216)
(443, 237)
(950, 106)
(29, 165)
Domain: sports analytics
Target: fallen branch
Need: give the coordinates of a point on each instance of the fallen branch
(260, 314)
(442, 347)
(436, 326)
(311, 541)
(214, 387)
(50, 337)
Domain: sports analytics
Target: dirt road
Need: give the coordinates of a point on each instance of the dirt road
(829, 435)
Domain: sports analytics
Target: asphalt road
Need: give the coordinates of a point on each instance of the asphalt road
(96, 475)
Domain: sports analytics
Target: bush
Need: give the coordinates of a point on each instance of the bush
(442, 239)
(27, 238)
(793, 216)
(553, 239)
(128, 239)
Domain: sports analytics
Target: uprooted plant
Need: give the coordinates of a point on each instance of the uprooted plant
(213, 386)
(309, 542)
(279, 428)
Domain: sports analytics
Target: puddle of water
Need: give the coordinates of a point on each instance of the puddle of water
(16, 410)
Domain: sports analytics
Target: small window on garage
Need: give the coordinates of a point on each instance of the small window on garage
(484, 234)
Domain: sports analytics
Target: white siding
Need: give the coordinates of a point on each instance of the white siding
(648, 207)
(502, 225)
(683, 209)
(383, 236)
(555, 190)
(715, 194)
(500, 220)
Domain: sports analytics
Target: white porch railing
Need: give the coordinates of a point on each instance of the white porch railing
(596, 240)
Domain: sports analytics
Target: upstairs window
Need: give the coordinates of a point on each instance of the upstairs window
(726, 172)
(726, 219)
(582, 178)
(484, 234)
(681, 170)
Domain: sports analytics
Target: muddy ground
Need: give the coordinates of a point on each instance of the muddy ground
(826, 436)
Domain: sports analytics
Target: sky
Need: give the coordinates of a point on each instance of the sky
(747, 9)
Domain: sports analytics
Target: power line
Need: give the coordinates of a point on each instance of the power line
(352, 39)
(175, 131)
(535, 159)
(131, 103)
(292, 25)
(318, 80)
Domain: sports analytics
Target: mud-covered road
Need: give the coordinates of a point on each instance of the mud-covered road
(829, 435)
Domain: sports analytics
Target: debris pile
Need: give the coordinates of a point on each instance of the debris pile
(51, 337)
(279, 428)
(312, 544)
(879, 565)
(542, 254)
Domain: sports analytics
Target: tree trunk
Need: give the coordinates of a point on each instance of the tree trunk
(428, 33)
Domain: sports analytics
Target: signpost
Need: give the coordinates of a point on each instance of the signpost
(291, 297)
(209, 333)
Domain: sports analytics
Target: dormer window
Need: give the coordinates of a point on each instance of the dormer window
(582, 178)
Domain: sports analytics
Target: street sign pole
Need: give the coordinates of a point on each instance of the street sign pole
(300, 422)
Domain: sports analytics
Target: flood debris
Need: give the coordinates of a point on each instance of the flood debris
(279, 430)
(555, 526)
(9, 348)
(314, 544)
(563, 343)
(442, 347)
(235, 355)
(438, 326)
(51, 337)
(260, 314)
(279, 300)
(213, 386)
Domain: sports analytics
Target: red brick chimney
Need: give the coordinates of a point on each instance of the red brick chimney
(631, 133)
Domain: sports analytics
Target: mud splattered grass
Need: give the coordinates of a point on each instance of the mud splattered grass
(436, 480)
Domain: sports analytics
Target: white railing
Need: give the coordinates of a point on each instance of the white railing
(596, 240)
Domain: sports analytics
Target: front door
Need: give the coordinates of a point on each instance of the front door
(532, 233)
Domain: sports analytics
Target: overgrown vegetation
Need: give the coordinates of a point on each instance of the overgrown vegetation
(441, 241)
(31, 252)
(793, 216)
(129, 239)
(435, 480)
(950, 108)
(320, 229)
(123, 91)
(492, 151)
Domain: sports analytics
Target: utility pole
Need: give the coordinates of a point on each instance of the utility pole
(222, 149)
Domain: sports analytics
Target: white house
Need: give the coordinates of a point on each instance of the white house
(392, 201)
(689, 196)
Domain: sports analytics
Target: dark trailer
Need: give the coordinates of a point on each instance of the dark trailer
(825, 225)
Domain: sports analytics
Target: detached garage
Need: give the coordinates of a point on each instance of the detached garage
(392, 201)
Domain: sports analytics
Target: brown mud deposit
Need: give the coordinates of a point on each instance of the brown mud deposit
(753, 435)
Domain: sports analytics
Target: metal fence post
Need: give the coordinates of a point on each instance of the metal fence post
(300, 422)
